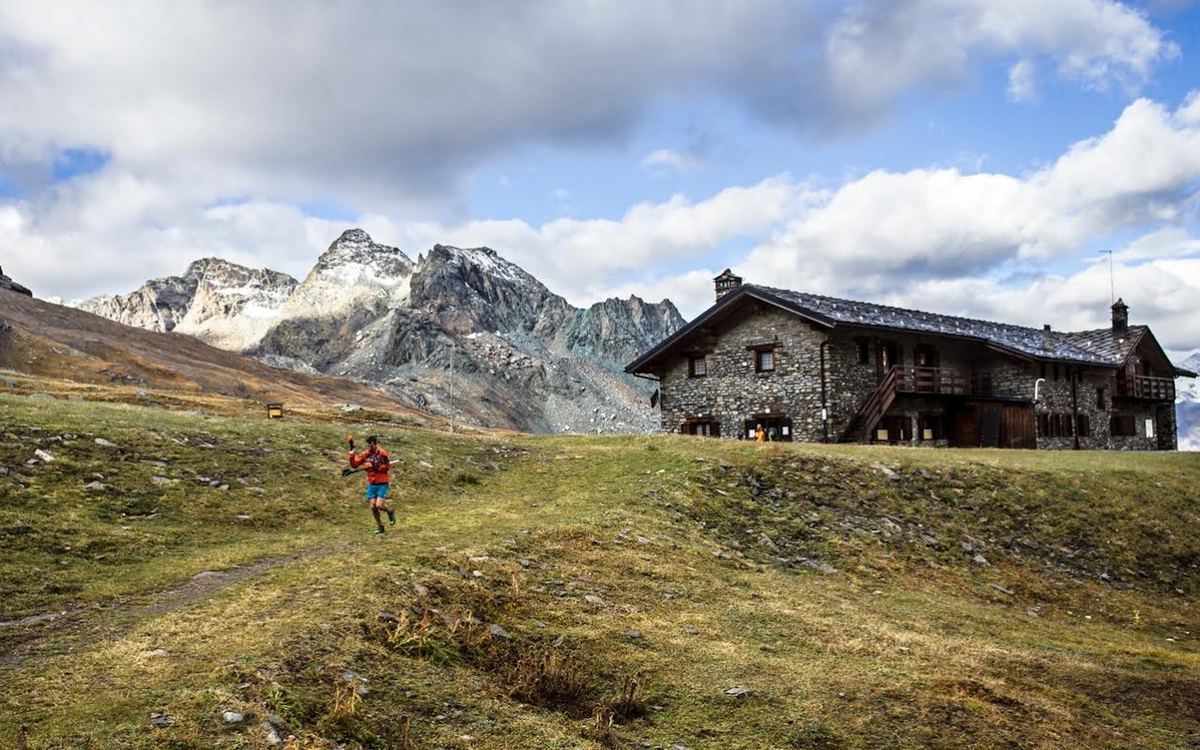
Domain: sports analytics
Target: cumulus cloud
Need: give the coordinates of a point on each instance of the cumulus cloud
(1022, 82)
(874, 52)
(945, 224)
(665, 158)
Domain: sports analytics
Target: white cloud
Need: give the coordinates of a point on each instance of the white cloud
(1022, 82)
(666, 158)
(874, 52)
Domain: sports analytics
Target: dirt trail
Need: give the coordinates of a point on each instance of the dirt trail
(56, 632)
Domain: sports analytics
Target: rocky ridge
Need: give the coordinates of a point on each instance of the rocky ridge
(460, 331)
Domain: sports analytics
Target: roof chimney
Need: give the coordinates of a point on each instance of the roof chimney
(1047, 339)
(1120, 316)
(726, 283)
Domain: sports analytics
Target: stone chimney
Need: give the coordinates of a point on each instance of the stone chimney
(1120, 316)
(1047, 339)
(726, 283)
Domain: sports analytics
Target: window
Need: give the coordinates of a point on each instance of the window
(697, 367)
(1149, 427)
(1062, 425)
(1042, 371)
(702, 427)
(864, 352)
(1083, 425)
(931, 427)
(1100, 401)
(888, 354)
(925, 356)
(1056, 371)
(764, 360)
(1123, 425)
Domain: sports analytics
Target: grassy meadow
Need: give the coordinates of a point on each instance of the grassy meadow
(219, 586)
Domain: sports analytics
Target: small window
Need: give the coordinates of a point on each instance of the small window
(1083, 425)
(888, 354)
(931, 427)
(1042, 371)
(1123, 425)
(1149, 427)
(697, 367)
(1056, 371)
(764, 361)
(864, 352)
(1101, 402)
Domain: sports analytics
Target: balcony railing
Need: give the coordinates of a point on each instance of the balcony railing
(944, 381)
(1147, 387)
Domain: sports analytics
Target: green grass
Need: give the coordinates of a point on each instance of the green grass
(711, 551)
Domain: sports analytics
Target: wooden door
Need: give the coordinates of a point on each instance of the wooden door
(966, 426)
(990, 425)
(1017, 430)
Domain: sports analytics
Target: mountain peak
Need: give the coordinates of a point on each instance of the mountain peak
(356, 248)
(355, 235)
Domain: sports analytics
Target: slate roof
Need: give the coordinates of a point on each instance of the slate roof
(1107, 343)
(834, 312)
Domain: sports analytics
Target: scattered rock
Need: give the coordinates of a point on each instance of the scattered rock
(980, 560)
(634, 635)
(559, 641)
(425, 464)
(161, 720)
(233, 717)
(819, 566)
(271, 734)
(498, 632)
(1000, 588)
(594, 600)
(891, 475)
(387, 617)
(421, 590)
(243, 517)
(163, 480)
(95, 486)
(766, 541)
(154, 653)
(351, 408)
(43, 456)
(739, 692)
(105, 443)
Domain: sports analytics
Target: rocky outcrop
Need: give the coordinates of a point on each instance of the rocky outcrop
(460, 331)
(8, 284)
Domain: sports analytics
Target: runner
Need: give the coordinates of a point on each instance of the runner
(377, 464)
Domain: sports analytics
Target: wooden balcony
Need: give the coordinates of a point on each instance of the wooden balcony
(1146, 387)
(944, 381)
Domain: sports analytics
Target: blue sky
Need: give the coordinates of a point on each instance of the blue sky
(955, 155)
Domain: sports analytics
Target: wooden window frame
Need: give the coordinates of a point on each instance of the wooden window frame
(1100, 398)
(692, 360)
(864, 351)
(759, 352)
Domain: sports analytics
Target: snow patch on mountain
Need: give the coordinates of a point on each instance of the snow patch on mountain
(1187, 405)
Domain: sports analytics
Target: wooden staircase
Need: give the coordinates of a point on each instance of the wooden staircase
(872, 410)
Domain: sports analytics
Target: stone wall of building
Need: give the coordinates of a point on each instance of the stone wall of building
(732, 392)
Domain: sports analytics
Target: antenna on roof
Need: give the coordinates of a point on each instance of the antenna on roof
(1112, 283)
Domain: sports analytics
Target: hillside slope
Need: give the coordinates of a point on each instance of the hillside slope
(585, 592)
(43, 339)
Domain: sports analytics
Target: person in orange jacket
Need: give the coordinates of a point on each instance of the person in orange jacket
(377, 463)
